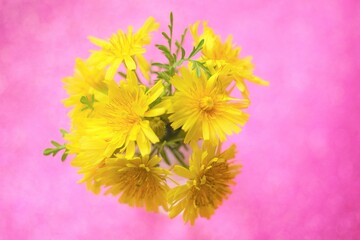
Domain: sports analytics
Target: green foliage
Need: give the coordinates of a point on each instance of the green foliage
(88, 102)
(171, 143)
(174, 140)
(198, 66)
(180, 44)
(196, 49)
(168, 70)
(57, 147)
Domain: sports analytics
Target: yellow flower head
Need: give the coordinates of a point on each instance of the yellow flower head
(203, 108)
(88, 155)
(138, 180)
(122, 118)
(123, 47)
(209, 178)
(87, 82)
(219, 54)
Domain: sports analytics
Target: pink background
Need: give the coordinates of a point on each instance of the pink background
(300, 149)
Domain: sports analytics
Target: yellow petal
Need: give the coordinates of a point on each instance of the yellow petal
(111, 71)
(182, 172)
(155, 112)
(155, 92)
(149, 133)
(144, 66)
(130, 63)
(99, 42)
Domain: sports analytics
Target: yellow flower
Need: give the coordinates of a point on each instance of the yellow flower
(218, 54)
(122, 119)
(203, 108)
(123, 47)
(87, 82)
(88, 155)
(139, 181)
(209, 178)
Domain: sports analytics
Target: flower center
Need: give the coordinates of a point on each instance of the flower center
(206, 103)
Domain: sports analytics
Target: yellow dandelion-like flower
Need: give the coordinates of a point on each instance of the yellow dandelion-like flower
(203, 108)
(87, 84)
(209, 178)
(88, 155)
(123, 47)
(139, 181)
(219, 54)
(122, 120)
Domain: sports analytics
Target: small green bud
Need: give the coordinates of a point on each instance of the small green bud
(158, 126)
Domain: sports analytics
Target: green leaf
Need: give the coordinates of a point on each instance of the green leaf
(64, 156)
(171, 19)
(165, 157)
(166, 66)
(204, 68)
(122, 74)
(196, 49)
(164, 75)
(183, 36)
(48, 151)
(166, 52)
(179, 44)
(57, 148)
(179, 156)
(56, 144)
(182, 53)
(196, 68)
(63, 132)
(83, 100)
(171, 23)
(169, 40)
(163, 48)
(88, 102)
(166, 36)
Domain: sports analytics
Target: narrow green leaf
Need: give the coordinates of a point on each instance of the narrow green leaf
(55, 151)
(177, 44)
(166, 66)
(64, 156)
(201, 43)
(163, 48)
(48, 151)
(165, 157)
(182, 53)
(196, 49)
(198, 72)
(122, 74)
(183, 36)
(171, 19)
(205, 69)
(165, 35)
(163, 75)
(179, 156)
(63, 132)
(56, 144)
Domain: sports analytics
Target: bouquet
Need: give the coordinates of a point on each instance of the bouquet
(154, 137)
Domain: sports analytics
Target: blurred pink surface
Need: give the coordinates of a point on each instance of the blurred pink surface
(300, 149)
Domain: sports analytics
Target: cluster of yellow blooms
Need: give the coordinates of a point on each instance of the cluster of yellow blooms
(123, 132)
